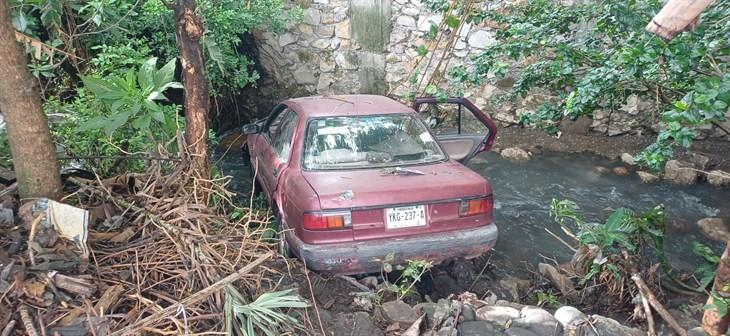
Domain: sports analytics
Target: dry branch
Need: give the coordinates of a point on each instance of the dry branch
(195, 298)
(649, 295)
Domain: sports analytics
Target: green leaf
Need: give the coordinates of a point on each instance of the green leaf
(93, 123)
(116, 121)
(165, 76)
(431, 89)
(146, 74)
(102, 88)
(452, 21)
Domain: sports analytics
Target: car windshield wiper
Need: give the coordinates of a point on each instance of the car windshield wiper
(401, 171)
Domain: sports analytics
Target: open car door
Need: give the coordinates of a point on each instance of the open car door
(461, 128)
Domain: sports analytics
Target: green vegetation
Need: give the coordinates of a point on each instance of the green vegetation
(410, 275)
(262, 316)
(96, 62)
(594, 55)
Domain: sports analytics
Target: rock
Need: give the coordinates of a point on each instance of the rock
(406, 21)
(600, 170)
(700, 161)
(362, 303)
(497, 314)
(711, 225)
(369, 281)
(347, 60)
(324, 82)
(302, 76)
(621, 171)
(442, 311)
(632, 105)
(427, 308)
(355, 324)
(647, 177)
(321, 44)
(569, 317)
(506, 303)
(628, 159)
(399, 312)
(718, 178)
(579, 126)
(515, 287)
(326, 65)
(538, 320)
(475, 328)
(560, 281)
(517, 331)
(679, 173)
(468, 313)
(515, 154)
(697, 332)
(324, 31)
(287, 39)
(312, 16)
(481, 39)
(342, 29)
(608, 326)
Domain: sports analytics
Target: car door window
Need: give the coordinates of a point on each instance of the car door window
(450, 119)
(282, 141)
(272, 127)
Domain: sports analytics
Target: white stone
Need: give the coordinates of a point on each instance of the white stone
(568, 316)
(323, 2)
(325, 80)
(411, 11)
(321, 44)
(406, 21)
(647, 177)
(342, 29)
(324, 31)
(312, 16)
(461, 53)
(287, 39)
(718, 178)
(628, 159)
(465, 29)
(398, 36)
(680, 172)
(481, 39)
(425, 22)
(340, 14)
(417, 3)
(460, 44)
(497, 314)
(335, 42)
(515, 154)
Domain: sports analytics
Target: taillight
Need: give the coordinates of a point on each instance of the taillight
(476, 206)
(327, 221)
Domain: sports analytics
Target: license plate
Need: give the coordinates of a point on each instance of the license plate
(403, 217)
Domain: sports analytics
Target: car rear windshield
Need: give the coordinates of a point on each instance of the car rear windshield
(368, 141)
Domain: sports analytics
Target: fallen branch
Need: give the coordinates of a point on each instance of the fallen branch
(8, 328)
(647, 293)
(355, 283)
(649, 315)
(193, 299)
(27, 321)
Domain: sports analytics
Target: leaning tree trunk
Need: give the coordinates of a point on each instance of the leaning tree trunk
(188, 31)
(34, 157)
(714, 323)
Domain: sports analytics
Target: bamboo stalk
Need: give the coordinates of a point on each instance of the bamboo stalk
(193, 299)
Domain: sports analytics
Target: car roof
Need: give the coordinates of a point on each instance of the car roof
(343, 105)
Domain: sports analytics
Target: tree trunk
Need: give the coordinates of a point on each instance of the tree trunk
(188, 30)
(713, 322)
(34, 156)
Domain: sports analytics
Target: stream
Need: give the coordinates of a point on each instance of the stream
(523, 193)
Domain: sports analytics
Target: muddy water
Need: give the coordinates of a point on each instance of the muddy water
(523, 193)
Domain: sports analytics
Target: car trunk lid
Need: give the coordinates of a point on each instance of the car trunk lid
(367, 193)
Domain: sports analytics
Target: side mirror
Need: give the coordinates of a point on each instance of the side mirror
(250, 129)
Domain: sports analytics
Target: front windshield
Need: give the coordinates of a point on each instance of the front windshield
(368, 141)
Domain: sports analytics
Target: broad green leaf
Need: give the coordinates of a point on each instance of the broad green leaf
(452, 21)
(102, 88)
(116, 121)
(142, 123)
(93, 123)
(146, 74)
(165, 75)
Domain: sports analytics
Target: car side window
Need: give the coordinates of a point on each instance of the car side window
(282, 142)
(450, 118)
(273, 126)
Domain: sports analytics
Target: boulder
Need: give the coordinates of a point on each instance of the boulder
(399, 312)
(627, 159)
(312, 16)
(538, 320)
(342, 29)
(515, 287)
(475, 328)
(621, 171)
(680, 173)
(569, 316)
(608, 326)
(718, 178)
(497, 314)
(515, 154)
(600, 170)
(481, 39)
(699, 161)
(517, 331)
(647, 177)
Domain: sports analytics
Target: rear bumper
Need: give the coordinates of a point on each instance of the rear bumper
(368, 256)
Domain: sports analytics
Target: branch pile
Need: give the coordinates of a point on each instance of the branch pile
(161, 245)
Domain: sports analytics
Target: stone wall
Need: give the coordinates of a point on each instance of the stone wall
(371, 46)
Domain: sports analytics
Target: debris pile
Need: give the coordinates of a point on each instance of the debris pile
(144, 253)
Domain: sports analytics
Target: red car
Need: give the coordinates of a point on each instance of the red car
(354, 178)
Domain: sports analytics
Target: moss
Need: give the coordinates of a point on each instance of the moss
(305, 56)
(371, 23)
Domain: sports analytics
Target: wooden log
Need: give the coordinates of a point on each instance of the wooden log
(676, 16)
(193, 299)
(714, 323)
